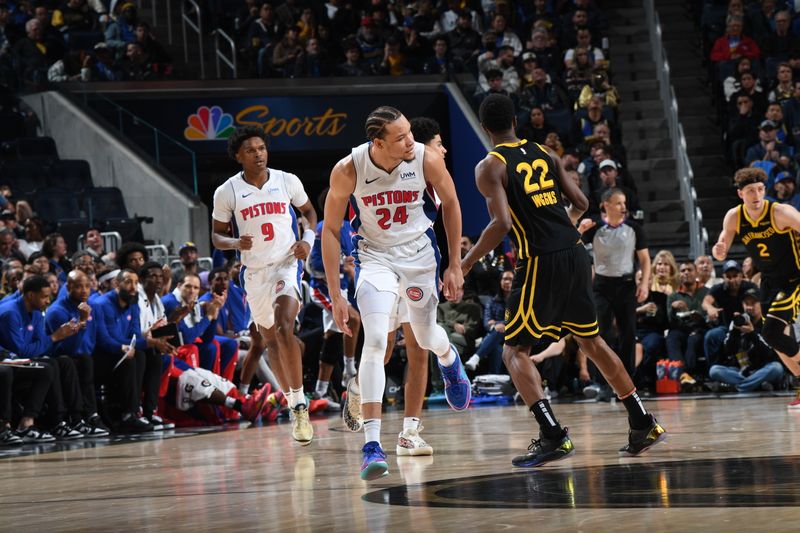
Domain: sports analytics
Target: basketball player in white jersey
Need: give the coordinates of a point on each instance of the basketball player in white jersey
(257, 203)
(386, 183)
(409, 442)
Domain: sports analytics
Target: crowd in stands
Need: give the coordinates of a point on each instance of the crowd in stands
(54, 41)
(753, 57)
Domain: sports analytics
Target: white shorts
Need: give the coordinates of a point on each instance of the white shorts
(264, 285)
(400, 315)
(321, 297)
(409, 271)
(198, 384)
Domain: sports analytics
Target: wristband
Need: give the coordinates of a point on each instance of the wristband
(309, 236)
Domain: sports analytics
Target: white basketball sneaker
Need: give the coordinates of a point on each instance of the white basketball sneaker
(410, 443)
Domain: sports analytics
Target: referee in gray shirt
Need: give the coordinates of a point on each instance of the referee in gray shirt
(616, 243)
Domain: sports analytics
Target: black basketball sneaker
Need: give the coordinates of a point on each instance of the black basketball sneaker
(640, 440)
(543, 450)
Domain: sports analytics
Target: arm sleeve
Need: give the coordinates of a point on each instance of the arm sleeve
(223, 203)
(641, 238)
(295, 189)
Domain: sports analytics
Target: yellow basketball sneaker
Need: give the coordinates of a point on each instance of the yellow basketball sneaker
(302, 430)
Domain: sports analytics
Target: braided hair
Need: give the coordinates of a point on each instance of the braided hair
(377, 121)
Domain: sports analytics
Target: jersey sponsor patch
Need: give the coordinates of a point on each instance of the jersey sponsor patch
(414, 294)
(279, 286)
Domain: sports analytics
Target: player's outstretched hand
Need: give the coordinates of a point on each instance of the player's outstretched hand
(301, 249)
(341, 314)
(453, 284)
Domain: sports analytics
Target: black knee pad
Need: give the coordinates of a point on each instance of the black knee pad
(332, 349)
(775, 337)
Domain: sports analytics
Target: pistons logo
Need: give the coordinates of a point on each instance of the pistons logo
(279, 286)
(414, 294)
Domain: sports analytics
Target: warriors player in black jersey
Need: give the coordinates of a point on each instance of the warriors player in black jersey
(769, 231)
(552, 291)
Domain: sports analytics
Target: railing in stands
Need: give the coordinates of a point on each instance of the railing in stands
(698, 235)
(154, 14)
(168, 152)
(220, 56)
(159, 253)
(112, 240)
(196, 26)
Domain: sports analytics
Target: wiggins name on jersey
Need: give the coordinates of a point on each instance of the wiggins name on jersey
(539, 222)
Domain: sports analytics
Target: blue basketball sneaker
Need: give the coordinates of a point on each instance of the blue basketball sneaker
(374, 465)
(457, 388)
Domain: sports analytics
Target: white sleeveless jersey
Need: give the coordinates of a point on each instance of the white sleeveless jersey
(388, 209)
(264, 213)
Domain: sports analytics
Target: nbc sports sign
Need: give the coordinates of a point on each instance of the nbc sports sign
(293, 123)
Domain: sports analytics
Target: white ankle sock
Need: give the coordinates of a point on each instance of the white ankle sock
(244, 388)
(322, 388)
(372, 430)
(230, 401)
(295, 397)
(410, 422)
(447, 359)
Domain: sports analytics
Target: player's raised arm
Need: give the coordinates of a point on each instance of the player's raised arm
(720, 249)
(490, 177)
(342, 184)
(437, 175)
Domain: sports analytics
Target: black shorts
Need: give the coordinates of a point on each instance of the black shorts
(780, 298)
(551, 296)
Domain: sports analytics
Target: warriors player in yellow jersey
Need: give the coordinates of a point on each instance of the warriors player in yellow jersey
(769, 231)
(551, 294)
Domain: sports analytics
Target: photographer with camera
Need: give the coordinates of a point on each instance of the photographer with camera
(748, 363)
(722, 303)
(687, 324)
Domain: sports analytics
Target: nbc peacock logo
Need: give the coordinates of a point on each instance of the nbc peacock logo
(209, 124)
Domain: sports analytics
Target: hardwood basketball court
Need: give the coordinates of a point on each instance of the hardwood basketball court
(728, 463)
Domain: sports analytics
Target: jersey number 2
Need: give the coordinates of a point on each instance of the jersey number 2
(267, 231)
(400, 216)
(542, 183)
(762, 250)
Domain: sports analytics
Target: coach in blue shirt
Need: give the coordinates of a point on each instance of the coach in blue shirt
(117, 322)
(22, 332)
(79, 347)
